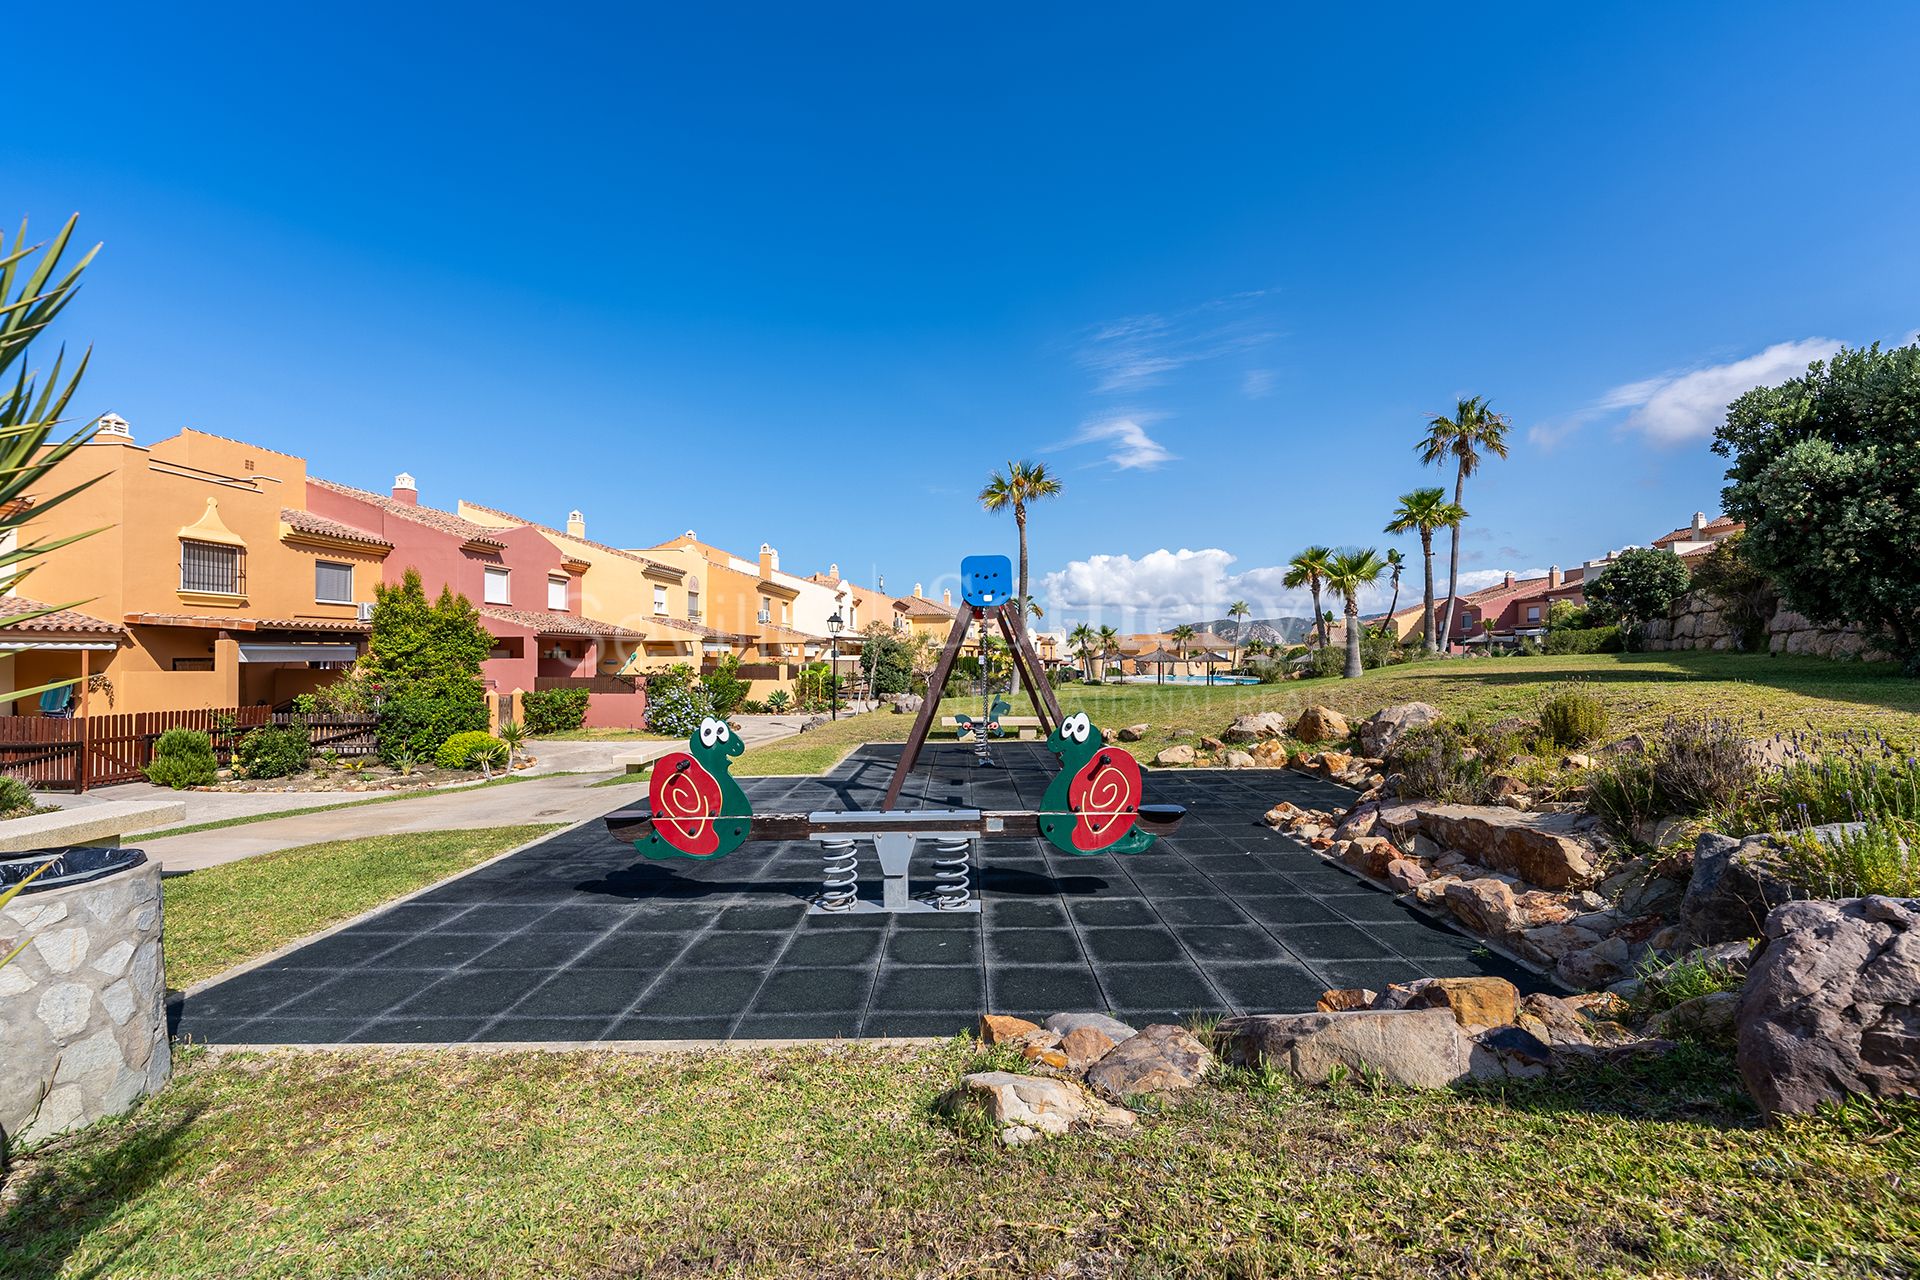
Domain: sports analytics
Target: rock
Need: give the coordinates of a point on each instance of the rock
(1379, 734)
(1360, 821)
(1320, 724)
(908, 703)
(1484, 906)
(1161, 1059)
(1576, 760)
(1553, 850)
(1831, 1008)
(1239, 760)
(1084, 1046)
(1255, 725)
(1505, 786)
(1547, 943)
(1133, 732)
(1269, 752)
(998, 1028)
(1552, 1020)
(1065, 1024)
(1708, 1018)
(1212, 744)
(1509, 1053)
(1284, 814)
(1176, 755)
(1370, 855)
(1404, 875)
(1537, 907)
(1343, 999)
(1735, 884)
(1606, 961)
(1045, 1056)
(1474, 1002)
(1423, 1048)
(1030, 1107)
(1651, 895)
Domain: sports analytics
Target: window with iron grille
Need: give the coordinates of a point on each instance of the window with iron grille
(332, 582)
(213, 567)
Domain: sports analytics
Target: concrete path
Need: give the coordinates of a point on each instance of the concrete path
(559, 800)
(596, 758)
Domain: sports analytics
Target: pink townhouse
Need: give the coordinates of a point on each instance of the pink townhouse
(526, 590)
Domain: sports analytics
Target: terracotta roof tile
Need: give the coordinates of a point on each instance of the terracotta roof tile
(60, 621)
(926, 608)
(307, 522)
(559, 533)
(548, 623)
(234, 622)
(1720, 525)
(431, 517)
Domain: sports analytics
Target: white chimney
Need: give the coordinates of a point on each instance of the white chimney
(1699, 522)
(769, 560)
(576, 524)
(405, 490)
(946, 597)
(114, 427)
(916, 591)
(833, 571)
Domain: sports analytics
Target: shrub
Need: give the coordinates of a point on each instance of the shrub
(554, 710)
(1640, 584)
(15, 797)
(725, 689)
(183, 758)
(886, 659)
(1703, 764)
(1585, 640)
(1572, 715)
(1662, 986)
(1624, 794)
(677, 702)
(271, 752)
(1434, 764)
(778, 701)
(1879, 855)
(1566, 615)
(1325, 662)
(467, 750)
(420, 717)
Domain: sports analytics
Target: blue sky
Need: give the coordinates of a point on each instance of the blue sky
(806, 273)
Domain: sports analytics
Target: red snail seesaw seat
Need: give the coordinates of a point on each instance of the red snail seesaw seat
(1093, 805)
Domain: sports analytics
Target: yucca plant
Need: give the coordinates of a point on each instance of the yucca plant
(31, 295)
(514, 734)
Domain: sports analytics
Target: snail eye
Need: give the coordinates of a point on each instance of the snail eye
(720, 731)
(706, 733)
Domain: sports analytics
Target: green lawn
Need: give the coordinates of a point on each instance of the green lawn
(594, 735)
(223, 915)
(825, 1162)
(1640, 691)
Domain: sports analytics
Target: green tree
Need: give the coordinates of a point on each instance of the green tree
(1825, 471)
(1238, 611)
(1309, 569)
(886, 659)
(1109, 646)
(1182, 637)
(1022, 484)
(1744, 595)
(1082, 641)
(425, 660)
(1422, 512)
(1395, 564)
(1348, 573)
(1473, 428)
(1638, 585)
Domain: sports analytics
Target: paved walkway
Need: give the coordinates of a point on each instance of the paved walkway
(579, 939)
(585, 758)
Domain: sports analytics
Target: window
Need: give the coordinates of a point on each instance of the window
(193, 664)
(557, 592)
(1533, 613)
(212, 567)
(766, 610)
(498, 589)
(332, 582)
(786, 614)
(693, 606)
(660, 601)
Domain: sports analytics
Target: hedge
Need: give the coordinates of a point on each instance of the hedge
(554, 710)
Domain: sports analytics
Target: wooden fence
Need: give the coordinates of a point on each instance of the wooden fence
(96, 751)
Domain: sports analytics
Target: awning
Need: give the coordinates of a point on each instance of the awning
(262, 652)
(8, 646)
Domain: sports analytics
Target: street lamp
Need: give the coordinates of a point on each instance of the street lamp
(833, 664)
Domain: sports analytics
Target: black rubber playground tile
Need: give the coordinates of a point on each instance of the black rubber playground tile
(578, 938)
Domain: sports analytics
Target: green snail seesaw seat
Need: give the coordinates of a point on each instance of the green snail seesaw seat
(1094, 805)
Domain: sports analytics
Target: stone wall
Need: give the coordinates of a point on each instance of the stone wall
(1695, 622)
(83, 1025)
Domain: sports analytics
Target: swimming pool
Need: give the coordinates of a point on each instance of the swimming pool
(1220, 679)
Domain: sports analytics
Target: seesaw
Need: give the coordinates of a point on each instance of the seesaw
(1094, 804)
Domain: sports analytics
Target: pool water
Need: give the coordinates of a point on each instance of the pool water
(1221, 679)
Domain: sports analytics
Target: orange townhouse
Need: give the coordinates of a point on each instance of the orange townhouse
(211, 580)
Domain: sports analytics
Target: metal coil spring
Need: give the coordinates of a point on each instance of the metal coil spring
(952, 863)
(839, 885)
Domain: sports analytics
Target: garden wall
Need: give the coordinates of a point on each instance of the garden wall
(1696, 622)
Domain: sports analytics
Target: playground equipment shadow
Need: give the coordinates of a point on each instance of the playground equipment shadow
(579, 939)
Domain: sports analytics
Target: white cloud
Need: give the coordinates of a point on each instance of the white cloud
(1129, 447)
(1257, 383)
(1675, 408)
(1173, 586)
(1473, 580)
(1144, 350)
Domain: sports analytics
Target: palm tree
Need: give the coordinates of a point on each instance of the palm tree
(1109, 645)
(1347, 573)
(1309, 569)
(1238, 611)
(1081, 639)
(1423, 511)
(1473, 427)
(1396, 562)
(1182, 637)
(1022, 483)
